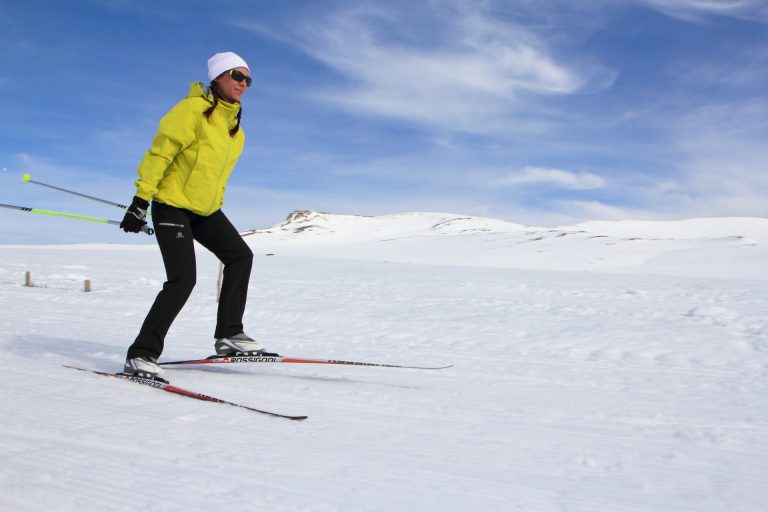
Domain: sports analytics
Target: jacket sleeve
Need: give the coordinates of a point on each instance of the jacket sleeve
(175, 133)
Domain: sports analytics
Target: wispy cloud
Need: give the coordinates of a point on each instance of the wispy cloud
(721, 169)
(726, 170)
(476, 77)
(694, 10)
(553, 178)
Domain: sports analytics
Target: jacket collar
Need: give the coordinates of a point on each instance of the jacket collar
(198, 89)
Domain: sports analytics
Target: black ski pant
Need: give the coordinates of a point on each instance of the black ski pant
(176, 230)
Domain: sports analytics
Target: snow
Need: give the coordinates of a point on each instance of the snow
(602, 367)
(728, 247)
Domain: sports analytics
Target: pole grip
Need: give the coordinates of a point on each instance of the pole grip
(148, 230)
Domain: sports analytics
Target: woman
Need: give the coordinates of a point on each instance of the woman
(184, 174)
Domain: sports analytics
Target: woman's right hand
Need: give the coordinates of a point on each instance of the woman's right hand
(135, 216)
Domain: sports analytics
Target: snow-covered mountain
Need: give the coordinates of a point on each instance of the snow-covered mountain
(718, 247)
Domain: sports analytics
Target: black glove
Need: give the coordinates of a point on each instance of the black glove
(135, 216)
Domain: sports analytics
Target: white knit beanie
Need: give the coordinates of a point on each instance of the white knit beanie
(224, 61)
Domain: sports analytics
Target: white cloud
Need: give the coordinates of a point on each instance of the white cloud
(724, 171)
(721, 170)
(692, 10)
(596, 210)
(553, 177)
(476, 76)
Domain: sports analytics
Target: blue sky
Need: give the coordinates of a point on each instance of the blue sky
(544, 112)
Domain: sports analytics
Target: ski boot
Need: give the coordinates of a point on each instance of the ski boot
(239, 344)
(145, 367)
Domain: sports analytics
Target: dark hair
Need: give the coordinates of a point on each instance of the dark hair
(216, 97)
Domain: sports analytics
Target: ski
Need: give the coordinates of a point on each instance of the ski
(166, 386)
(275, 358)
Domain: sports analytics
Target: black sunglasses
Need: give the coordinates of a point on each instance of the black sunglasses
(239, 76)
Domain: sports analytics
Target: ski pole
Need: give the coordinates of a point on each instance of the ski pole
(29, 179)
(146, 229)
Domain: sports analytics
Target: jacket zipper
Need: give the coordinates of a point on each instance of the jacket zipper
(224, 168)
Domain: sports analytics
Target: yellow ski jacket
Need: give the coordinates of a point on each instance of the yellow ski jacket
(191, 157)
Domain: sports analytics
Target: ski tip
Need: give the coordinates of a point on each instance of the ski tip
(27, 177)
(79, 368)
(422, 367)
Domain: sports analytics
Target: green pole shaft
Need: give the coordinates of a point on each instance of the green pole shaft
(144, 228)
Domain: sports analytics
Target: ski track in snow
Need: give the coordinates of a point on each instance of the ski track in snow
(571, 391)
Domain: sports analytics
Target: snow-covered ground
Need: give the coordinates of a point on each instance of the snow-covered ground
(604, 367)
